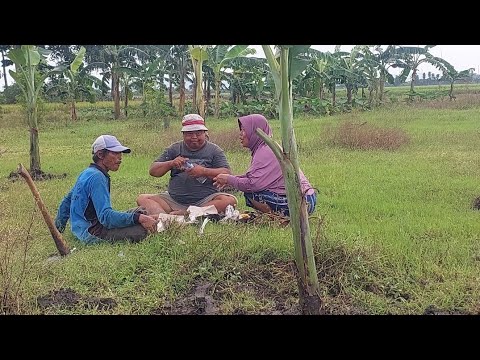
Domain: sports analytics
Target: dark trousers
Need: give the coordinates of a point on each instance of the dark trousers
(134, 233)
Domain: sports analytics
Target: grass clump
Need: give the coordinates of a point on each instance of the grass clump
(364, 136)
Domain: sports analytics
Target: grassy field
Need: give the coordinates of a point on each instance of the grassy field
(394, 230)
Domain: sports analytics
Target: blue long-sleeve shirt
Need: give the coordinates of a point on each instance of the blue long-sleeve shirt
(89, 208)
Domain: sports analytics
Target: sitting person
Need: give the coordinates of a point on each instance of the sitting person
(263, 183)
(192, 163)
(88, 204)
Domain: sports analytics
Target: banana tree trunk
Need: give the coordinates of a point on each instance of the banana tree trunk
(34, 147)
(73, 110)
(208, 95)
(382, 86)
(170, 90)
(116, 95)
(181, 101)
(349, 94)
(307, 279)
(4, 73)
(200, 104)
(320, 90)
(126, 101)
(217, 98)
(194, 94)
(333, 95)
(414, 73)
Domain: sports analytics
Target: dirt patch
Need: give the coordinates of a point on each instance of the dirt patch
(476, 203)
(268, 219)
(274, 280)
(204, 298)
(197, 302)
(432, 310)
(36, 176)
(69, 299)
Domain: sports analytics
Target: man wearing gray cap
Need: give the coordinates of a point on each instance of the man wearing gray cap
(88, 204)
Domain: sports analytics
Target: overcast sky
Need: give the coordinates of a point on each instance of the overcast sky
(461, 57)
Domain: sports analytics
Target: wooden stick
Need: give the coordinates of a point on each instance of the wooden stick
(57, 237)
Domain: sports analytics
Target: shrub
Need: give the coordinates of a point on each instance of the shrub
(366, 137)
(228, 140)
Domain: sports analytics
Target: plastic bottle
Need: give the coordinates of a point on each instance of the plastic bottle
(200, 179)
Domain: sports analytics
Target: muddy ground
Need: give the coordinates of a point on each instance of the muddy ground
(206, 298)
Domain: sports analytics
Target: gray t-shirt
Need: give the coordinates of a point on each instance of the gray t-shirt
(186, 189)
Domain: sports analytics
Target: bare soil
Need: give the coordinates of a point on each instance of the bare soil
(67, 298)
(36, 176)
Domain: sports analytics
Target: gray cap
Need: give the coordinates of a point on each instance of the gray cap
(108, 142)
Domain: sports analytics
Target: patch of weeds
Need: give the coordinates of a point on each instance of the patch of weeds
(364, 136)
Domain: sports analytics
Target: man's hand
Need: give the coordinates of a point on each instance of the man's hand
(148, 222)
(179, 162)
(197, 171)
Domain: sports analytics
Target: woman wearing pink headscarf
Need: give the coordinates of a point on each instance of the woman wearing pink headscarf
(263, 184)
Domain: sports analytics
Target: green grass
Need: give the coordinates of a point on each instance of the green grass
(397, 231)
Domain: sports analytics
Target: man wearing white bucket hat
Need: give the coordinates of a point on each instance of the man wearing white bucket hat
(192, 163)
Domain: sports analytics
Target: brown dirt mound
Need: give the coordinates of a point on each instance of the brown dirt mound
(69, 299)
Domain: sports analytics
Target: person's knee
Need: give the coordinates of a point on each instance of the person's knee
(141, 199)
(231, 201)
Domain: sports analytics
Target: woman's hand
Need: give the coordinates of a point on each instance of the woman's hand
(220, 181)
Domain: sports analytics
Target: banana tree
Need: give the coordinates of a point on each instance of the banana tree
(145, 74)
(220, 56)
(178, 68)
(410, 58)
(198, 54)
(289, 64)
(452, 75)
(385, 59)
(5, 62)
(319, 70)
(79, 82)
(27, 59)
(111, 59)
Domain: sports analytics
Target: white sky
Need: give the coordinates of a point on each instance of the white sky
(461, 57)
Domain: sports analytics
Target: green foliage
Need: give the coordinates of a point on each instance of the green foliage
(12, 94)
(155, 106)
(394, 232)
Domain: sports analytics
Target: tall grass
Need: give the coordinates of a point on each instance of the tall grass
(394, 229)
